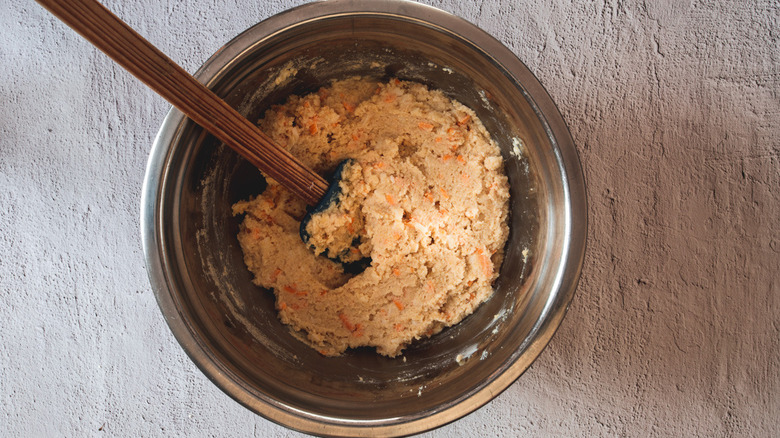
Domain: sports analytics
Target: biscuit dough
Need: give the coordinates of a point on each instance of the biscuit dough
(426, 199)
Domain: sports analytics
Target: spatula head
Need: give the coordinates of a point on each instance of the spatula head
(332, 198)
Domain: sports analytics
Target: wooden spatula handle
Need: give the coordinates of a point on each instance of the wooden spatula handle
(125, 46)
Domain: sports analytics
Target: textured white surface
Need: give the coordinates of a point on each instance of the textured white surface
(675, 110)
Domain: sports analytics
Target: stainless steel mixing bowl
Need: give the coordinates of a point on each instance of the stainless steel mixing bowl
(229, 327)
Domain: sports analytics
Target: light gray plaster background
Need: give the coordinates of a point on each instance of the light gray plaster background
(674, 330)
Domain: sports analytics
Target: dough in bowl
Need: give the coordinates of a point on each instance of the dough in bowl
(426, 199)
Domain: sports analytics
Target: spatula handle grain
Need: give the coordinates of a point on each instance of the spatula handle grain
(130, 50)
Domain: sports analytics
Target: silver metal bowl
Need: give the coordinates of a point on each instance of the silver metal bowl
(229, 327)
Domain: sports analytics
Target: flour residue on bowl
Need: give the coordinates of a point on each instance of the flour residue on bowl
(287, 72)
(517, 147)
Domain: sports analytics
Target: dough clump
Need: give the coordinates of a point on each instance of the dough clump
(426, 199)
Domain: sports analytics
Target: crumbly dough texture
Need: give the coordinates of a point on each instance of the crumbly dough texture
(426, 199)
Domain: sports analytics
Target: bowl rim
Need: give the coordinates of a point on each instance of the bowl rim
(575, 215)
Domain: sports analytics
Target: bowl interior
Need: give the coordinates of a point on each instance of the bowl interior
(233, 330)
